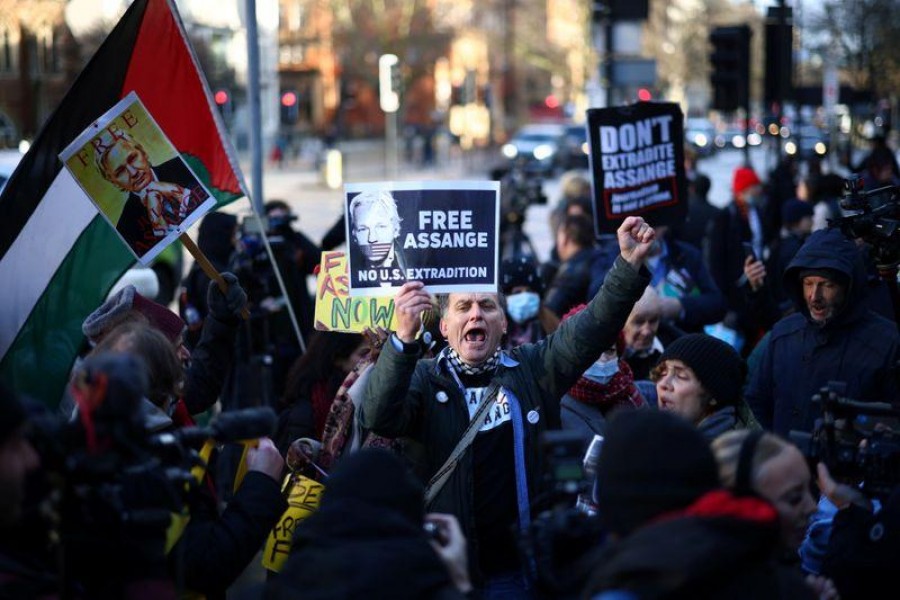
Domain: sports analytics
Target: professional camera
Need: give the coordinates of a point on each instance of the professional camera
(111, 486)
(855, 440)
(875, 219)
(564, 531)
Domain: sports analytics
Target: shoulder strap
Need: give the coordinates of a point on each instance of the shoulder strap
(437, 481)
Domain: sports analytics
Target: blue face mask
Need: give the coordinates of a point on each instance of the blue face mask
(602, 371)
(523, 306)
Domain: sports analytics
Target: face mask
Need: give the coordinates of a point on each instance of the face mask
(602, 371)
(523, 306)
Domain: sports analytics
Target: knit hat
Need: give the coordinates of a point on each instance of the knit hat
(653, 462)
(715, 363)
(379, 479)
(744, 177)
(521, 271)
(12, 413)
(793, 210)
(115, 310)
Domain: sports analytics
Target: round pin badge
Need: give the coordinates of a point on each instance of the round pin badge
(533, 416)
(441, 397)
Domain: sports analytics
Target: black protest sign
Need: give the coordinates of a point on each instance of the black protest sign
(637, 164)
(441, 233)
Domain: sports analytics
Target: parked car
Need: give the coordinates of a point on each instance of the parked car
(538, 146)
(699, 135)
(807, 141)
(574, 153)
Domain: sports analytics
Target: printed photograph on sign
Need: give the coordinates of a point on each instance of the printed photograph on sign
(441, 233)
(136, 178)
(337, 311)
(637, 164)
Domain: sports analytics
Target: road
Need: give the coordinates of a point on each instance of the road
(318, 207)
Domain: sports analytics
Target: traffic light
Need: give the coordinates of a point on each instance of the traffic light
(389, 82)
(290, 107)
(779, 63)
(730, 60)
(222, 99)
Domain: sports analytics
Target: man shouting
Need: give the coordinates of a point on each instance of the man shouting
(488, 408)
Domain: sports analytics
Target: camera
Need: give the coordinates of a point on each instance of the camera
(855, 440)
(875, 219)
(567, 527)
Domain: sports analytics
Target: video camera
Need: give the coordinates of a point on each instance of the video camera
(108, 477)
(876, 219)
(855, 441)
(520, 187)
(567, 527)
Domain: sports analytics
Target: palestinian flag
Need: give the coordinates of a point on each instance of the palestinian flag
(58, 256)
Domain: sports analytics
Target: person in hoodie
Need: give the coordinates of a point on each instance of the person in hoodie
(833, 336)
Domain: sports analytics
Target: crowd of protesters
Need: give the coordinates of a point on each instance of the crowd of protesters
(694, 350)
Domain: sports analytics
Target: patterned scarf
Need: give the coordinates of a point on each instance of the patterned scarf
(462, 368)
(618, 391)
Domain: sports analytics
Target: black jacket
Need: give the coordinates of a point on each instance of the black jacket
(857, 346)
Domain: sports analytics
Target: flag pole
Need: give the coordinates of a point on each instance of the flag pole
(208, 268)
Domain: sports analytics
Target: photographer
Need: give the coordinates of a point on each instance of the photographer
(213, 549)
(267, 342)
(19, 578)
(864, 544)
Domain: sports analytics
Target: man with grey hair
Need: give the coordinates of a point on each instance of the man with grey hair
(485, 409)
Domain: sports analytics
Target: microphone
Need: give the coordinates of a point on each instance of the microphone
(233, 426)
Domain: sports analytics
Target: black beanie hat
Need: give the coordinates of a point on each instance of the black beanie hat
(716, 364)
(652, 462)
(380, 479)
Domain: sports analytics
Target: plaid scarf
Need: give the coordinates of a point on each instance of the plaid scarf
(462, 368)
(618, 391)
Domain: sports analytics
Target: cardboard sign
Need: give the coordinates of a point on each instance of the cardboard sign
(444, 234)
(136, 178)
(303, 499)
(637, 164)
(337, 311)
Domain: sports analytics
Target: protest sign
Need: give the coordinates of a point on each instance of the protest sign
(442, 233)
(136, 178)
(637, 164)
(303, 497)
(337, 311)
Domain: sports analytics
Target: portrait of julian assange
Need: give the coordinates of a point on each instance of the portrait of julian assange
(160, 197)
(375, 236)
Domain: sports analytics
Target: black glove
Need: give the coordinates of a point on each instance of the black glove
(226, 307)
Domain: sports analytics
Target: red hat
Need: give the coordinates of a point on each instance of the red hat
(744, 177)
(160, 317)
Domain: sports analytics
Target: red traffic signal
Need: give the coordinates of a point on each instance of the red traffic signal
(289, 99)
(644, 95)
(221, 97)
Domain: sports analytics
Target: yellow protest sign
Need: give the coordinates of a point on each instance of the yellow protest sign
(337, 311)
(303, 499)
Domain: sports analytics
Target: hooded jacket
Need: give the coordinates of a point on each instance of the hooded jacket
(856, 347)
